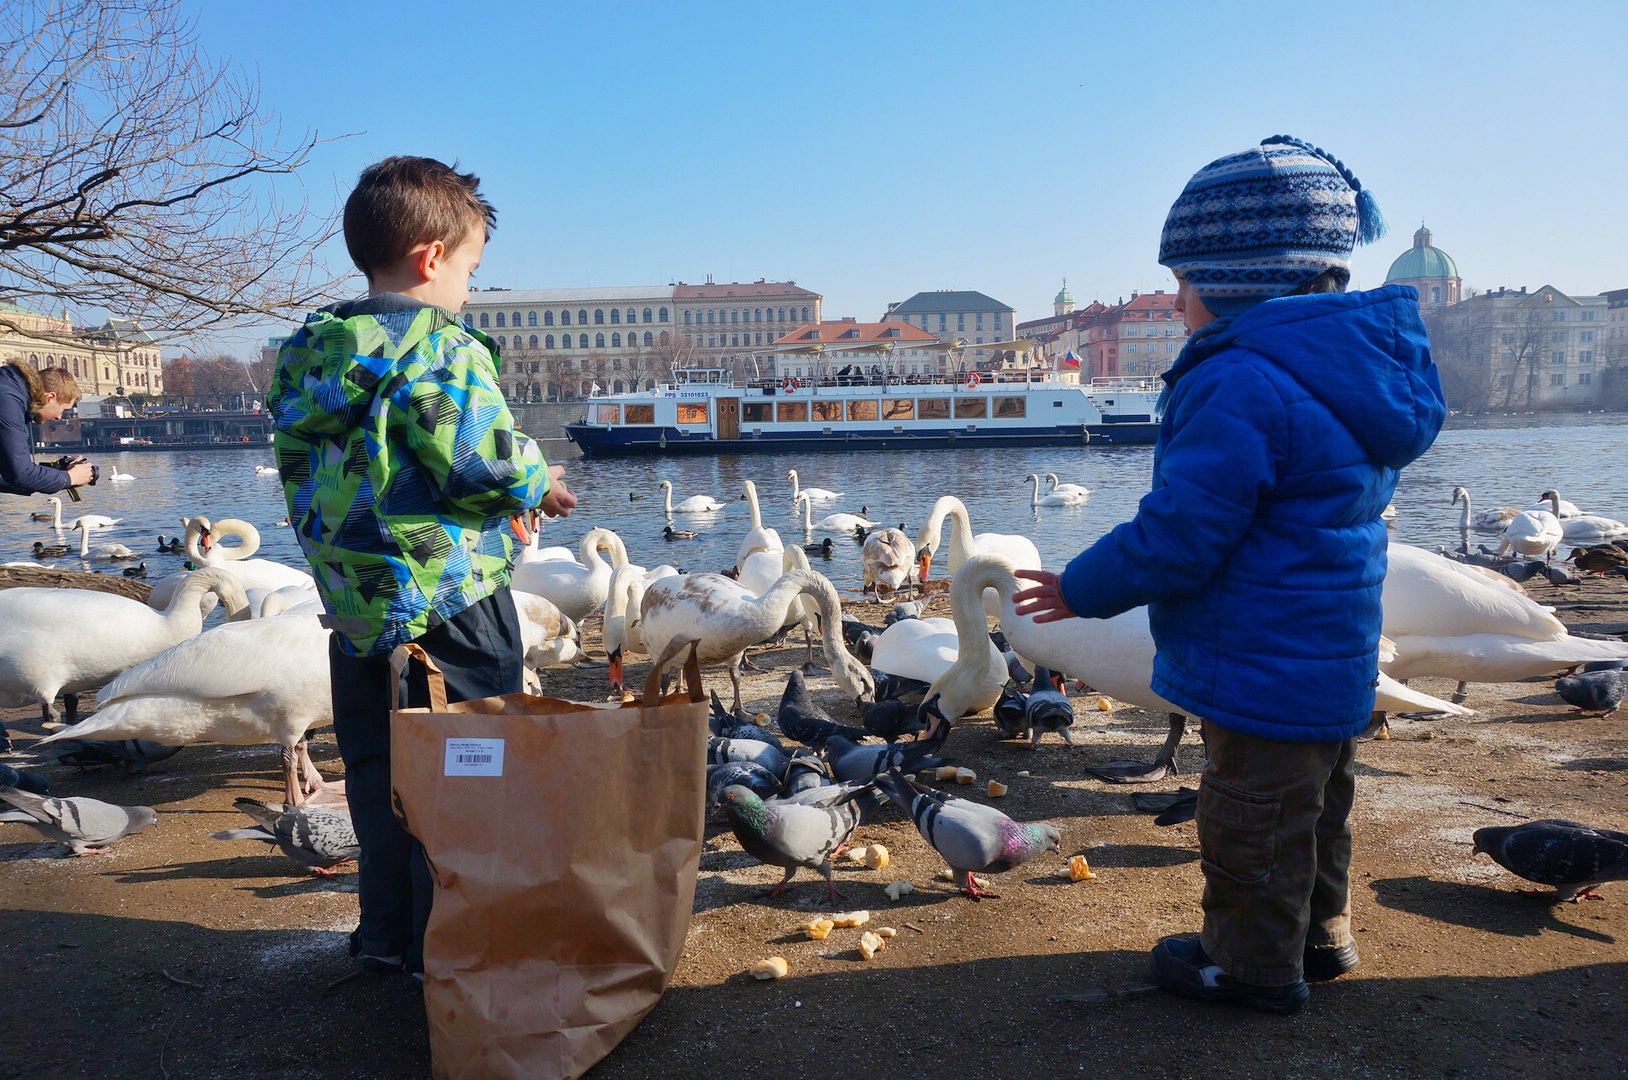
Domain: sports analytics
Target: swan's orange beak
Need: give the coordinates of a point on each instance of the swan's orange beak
(616, 670)
(517, 523)
(924, 563)
(204, 542)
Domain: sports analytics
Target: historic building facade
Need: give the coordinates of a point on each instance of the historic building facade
(1430, 270)
(116, 357)
(963, 315)
(1138, 338)
(1516, 349)
(848, 348)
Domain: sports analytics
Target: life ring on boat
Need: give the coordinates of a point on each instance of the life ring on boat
(973, 380)
(791, 383)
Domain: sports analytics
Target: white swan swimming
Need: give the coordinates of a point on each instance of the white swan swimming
(203, 548)
(1070, 490)
(116, 476)
(576, 588)
(243, 684)
(818, 494)
(1488, 521)
(1055, 497)
(695, 504)
(67, 641)
(101, 552)
(90, 521)
(1584, 528)
(1560, 508)
(723, 619)
(834, 523)
(963, 544)
(267, 470)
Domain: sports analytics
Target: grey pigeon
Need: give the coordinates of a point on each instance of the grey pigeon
(791, 834)
(1048, 709)
(850, 761)
(1014, 666)
(136, 755)
(312, 836)
(729, 726)
(891, 719)
(1599, 693)
(31, 782)
(807, 770)
(1572, 857)
(1010, 708)
(746, 774)
(972, 837)
(911, 609)
(772, 758)
(801, 717)
(87, 826)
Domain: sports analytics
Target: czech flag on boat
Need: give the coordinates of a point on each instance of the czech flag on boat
(1070, 359)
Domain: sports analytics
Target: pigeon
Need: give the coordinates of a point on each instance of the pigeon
(863, 794)
(1559, 575)
(1010, 710)
(1014, 666)
(793, 834)
(313, 836)
(31, 782)
(807, 770)
(1604, 665)
(913, 609)
(1048, 709)
(726, 724)
(772, 758)
(972, 837)
(801, 717)
(890, 687)
(1522, 571)
(1595, 693)
(850, 761)
(747, 774)
(892, 719)
(136, 755)
(1573, 858)
(87, 826)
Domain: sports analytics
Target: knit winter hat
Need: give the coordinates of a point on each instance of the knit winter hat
(1262, 222)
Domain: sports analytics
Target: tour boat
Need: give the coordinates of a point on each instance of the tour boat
(704, 411)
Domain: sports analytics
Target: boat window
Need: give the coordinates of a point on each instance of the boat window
(971, 408)
(791, 411)
(827, 410)
(641, 414)
(757, 412)
(608, 414)
(692, 412)
(898, 408)
(1010, 406)
(933, 408)
(862, 409)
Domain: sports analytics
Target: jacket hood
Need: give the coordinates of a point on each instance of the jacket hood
(349, 348)
(1364, 355)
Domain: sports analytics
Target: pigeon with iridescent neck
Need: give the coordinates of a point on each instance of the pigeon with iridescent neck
(795, 834)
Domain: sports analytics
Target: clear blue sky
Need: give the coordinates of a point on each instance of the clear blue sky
(869, 151)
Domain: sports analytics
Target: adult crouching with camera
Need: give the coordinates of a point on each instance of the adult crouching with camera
(29, 395)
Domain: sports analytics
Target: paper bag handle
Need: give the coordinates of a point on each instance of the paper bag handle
(398, 668)
(692, 672)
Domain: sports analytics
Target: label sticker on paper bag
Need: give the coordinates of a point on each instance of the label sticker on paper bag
(474, 757)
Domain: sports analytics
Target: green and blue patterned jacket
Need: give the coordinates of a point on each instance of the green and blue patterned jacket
(401, 466)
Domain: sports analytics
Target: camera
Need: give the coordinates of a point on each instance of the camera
(68, 461)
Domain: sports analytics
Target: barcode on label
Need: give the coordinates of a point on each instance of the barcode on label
(474, 757)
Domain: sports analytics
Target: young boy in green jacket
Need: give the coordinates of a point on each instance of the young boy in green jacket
(401, 466)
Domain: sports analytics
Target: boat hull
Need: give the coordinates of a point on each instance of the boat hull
(596, 440)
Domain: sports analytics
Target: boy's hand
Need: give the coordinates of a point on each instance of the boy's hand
(559, 502)
(1044, 601)
(79, 473)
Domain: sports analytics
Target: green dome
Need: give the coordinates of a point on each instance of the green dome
(1423, 260)
(1064, 297)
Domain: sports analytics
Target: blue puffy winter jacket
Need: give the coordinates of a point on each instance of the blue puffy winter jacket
(1260, 551)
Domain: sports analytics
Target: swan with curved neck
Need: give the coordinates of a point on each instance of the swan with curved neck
(834, 523)
(576, 588)
(1053, 498)
(1057, 487)
(624, 629)
(973, 679)
(1576, 528)
(963, 544)
(90, 521)
(818, 494)
(66, 641)
(1494, 520)
(757, 538)
(695, 504)
(101, 552)
(724, 620)
(202, 548)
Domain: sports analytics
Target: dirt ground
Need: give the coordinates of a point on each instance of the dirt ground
(175, 956)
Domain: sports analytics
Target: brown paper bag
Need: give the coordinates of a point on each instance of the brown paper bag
(563, 840)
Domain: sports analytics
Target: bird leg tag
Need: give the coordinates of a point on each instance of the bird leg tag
(474, 757)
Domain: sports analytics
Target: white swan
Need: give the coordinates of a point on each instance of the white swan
(203, 548)
(888, 560)
(964, 545)
(757, 538)
(695, 504)
(90, 521)
(116, 476)
(101, 552)
(818, 494)
(955, 655)
(1449, 621)
(1532, 532)
(1583, 528)
(1560, 508)
(547, 636)
(724, 620)
(266, 470)
(576, 588)
(1488, 521)
(834, 523)
(1072, 490)
(68, 641)
(244, 684)
(624, 628)
(1054, 498)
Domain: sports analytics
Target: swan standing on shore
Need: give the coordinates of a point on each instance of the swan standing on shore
(1532, 532)
(724, 619)
(695, 504)
(818, 494)
(576, 588)
(888, 560)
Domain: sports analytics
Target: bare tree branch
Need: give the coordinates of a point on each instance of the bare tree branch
(142, 179)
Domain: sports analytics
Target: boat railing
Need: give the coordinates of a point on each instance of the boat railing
(1124, 383)
(960, 381)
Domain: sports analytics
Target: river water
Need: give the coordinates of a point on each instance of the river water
(1501, 460)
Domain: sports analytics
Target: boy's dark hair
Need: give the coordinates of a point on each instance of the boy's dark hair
(1333, 280)
(402, 202)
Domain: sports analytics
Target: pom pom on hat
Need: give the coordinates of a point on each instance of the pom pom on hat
(1262, 222)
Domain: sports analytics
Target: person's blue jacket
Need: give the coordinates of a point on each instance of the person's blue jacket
(1260, 551)
(20, 474)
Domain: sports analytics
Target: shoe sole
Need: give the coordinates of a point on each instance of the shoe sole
(1174, 977)
(1323, 964)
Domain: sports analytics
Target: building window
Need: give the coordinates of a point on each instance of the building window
(734, 315)
(1559, 357)
(782, 315)
(686, 318)
(1560, 316)
(500, 320)
(502, 341)
(599, 341)
(1585, 335)
(979, 323)
(514, 320)
(1557, 379)
(1588, 316)
(531, 318)
(661, 316)
(760, 338)
(483, 323)
(1435, 294)
(582, 341)
(565, 318)
(548, 318)
(1584, 378)
(616, 315)
(712, 341)
(997, 320)
(582, 317)
(647, 338)
(599, 316)
(663, 333)
(1585, 356)
(960, 321)
(1132, 347)
(616, 339)
(534, 341)
(757, 314)
(548, 341)
(943, 322)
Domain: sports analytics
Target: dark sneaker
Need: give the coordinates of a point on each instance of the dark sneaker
(1180, 966)
(1324, 962)
(375, 959)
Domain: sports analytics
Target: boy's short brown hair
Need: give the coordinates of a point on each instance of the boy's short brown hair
(58, 381)
(402, 202)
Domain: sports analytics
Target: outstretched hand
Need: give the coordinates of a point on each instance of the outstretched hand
(560, 501)
(1043, 601)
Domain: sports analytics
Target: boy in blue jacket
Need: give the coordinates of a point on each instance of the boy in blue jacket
(1260, 551)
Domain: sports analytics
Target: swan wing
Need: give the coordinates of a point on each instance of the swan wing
(1426, 595)
(262, 656)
